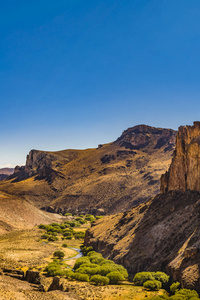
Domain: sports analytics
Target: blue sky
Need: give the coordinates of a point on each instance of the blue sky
(74, 74)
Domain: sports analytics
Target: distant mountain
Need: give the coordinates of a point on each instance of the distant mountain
(111, 178)
(5, 172)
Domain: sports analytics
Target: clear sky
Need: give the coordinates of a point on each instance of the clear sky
(74, 74)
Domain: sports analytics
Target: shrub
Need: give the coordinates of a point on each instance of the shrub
(59, 254)
(141, 277)
(81, 277)
(99, 217)
(56, 269)
(152, 285)
(45, 236)
(79, 235)
(42, 226)
(88, 270)
(82, 221)
(106, 269)
(85, 249)
(175, 287)
(122, 270)
(96, 259)
(52, 239)
(106, 262)
(81, 261)
(68, 214)
(161, 297)
(64, 245)
(188, 294)
(99, 280)
(162, 277)
(115, 277)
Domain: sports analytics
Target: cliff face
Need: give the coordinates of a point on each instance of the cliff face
(162, 234)
(184, 171)
(112, 178)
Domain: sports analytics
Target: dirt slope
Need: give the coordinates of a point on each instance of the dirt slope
(112, 178)
(16, 213)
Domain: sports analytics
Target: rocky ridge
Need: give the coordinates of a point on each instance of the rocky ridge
(111, 178)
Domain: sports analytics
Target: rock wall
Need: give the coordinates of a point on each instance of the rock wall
(184, 171)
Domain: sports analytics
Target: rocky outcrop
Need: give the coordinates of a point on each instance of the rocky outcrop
(39, 164)
(184, 171)
(33, 276)
(147, 138)
(56, 285)
(162, 234)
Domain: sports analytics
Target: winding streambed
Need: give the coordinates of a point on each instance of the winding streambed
(76, 256)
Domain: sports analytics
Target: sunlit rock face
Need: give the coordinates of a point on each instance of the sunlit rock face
(184, 171)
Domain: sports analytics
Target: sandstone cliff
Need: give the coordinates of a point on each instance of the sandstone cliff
(184, 171)
(112, 178)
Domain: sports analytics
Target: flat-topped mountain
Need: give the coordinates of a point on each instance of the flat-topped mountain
(111, 178)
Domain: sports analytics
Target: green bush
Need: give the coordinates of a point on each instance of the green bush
(81, 261)
(59, 254)
(99, 217)
(42, 226)
(174, 287)
(115, 277)
(52, 239)
(56, 269)
(90, 218)
(141, 277)
(99, 280)
(88, 270)
(45, 236)
(68, 214)
(82, 222)
(79, 235)
(64, 245)
(106, 262)
(162, 277)
(160, 297)
(152, 285)
(85, 250)
(81, 277)
(188, 294)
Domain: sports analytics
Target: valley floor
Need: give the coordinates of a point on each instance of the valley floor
(25, 250)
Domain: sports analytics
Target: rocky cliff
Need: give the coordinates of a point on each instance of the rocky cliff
(184, 171)
(111, 178)
(162, 234)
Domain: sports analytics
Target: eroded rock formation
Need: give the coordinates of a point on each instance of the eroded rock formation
(184, 171)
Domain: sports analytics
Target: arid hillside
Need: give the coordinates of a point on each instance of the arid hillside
(110, 179)
(17, 213)
(163, 233)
